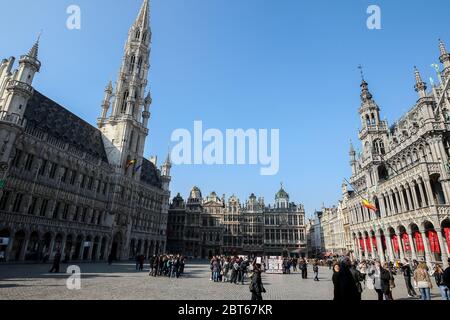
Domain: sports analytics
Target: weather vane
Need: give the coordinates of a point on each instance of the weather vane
(362, 72)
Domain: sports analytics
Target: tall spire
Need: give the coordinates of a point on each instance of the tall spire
(33, 53)
(143, 18)
(366, 96)
(445, 56)
(421, 86)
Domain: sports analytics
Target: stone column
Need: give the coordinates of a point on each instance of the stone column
(408, 197)
(426, 244)
(80, 254)
(422, 194)
(389, 247)
(380, 248)
(414, 196)
(52, 248)
(429, 190)
(402, 200)
(382, 206)
(91, 248)
(391, 201)
(63, 247)
(413, 246)
(397, 201)
(443, 245)
(400, 248)
(366, 251)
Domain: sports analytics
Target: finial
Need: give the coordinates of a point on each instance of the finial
(362, 73)
(442, 47)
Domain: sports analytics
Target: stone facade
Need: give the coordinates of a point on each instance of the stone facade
(70, 187)
(404, 171)
(202, 227)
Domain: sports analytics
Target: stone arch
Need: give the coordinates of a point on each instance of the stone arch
(18, 245)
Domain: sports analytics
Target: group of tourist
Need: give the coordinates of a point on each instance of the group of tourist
(351, 278)
(230, 269)
(171, 266)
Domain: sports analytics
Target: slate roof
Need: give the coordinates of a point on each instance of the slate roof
(58, 122)
(55, 120)
(149, 174)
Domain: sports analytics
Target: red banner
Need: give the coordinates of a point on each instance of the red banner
(383, 242)
(406, 244)
(447, 237)
(369, 247)
(395, 243)
(434, 242)
(374, 242)
(419, 242)
(361, 244)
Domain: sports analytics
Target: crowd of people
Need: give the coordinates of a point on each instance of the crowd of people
(351, 278)
(171, 266)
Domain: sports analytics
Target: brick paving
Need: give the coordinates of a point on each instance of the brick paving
(121, 282)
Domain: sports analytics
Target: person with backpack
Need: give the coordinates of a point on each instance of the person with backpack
(423, 281)
(439, 278)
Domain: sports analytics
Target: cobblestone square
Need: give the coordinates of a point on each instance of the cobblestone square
(121, 281)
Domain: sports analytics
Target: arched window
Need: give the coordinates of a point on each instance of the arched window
(132, 63)
(144, 37)
(131, 139)
(138, 34)
(124, 102)
(140, 65)
(378, 147)
(367, 120)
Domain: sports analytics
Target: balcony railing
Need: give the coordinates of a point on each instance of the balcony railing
(22, 86)
(12, 118)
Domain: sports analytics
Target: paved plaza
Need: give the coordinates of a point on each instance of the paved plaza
(120, 281)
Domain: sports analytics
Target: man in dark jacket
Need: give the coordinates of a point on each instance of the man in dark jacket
(358, 277)
(407, 274)
(256, 285)
(446, 276)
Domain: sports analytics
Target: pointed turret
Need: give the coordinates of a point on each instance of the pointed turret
(421, 86)
(445, 57)
(143, 18)
(107, 99)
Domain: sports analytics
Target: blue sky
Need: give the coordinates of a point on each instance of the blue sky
(288, 65)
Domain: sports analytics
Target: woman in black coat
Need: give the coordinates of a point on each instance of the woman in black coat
(335, 279)
(256, 286)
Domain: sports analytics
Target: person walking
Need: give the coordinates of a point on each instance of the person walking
(151, 260)
(439, 278)
(141, 262)
(358, 277)
(256, 285)
(423, 281)
(243, 271)
(215, 270)
(316, 271)
(387, 281)
(407, 274)
(348, 290)
(56, 263)
(226, 270)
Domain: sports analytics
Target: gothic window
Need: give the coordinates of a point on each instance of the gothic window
(66, 211)
(132, 63)
(32, 207)
(75, 216)
(140, 65)
(83, 181)
(43, 209)
(367, 120)
(29, 162)
(73, 177)
(137, 143)
(56, 210)
(17, 202)
(4, 200)
(53, 170)
(378, 147)
(43, 167)
(144, 37)
(90, 183)
(64, 175)
(17, 157)
(84, 215)
(124, 101)
(138, 34)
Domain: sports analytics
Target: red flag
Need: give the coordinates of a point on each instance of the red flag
(369, 247)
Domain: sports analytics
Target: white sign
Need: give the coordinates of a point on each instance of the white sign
(87, 244)
(258, 260)
(4, 241)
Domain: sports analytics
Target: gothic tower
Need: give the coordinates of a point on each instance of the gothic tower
(125, 128)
